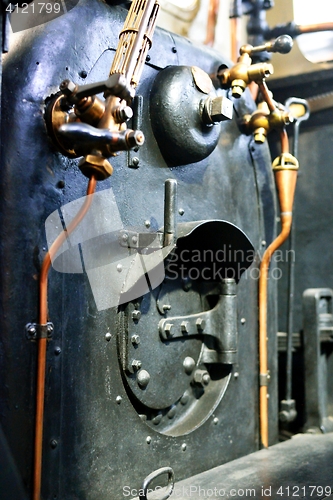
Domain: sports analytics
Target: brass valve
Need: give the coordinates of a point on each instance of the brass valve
(244, 72)
(81, 124)
(263, 121)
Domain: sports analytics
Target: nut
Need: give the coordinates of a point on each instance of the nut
(136, 364)
(221, 109)
(201, 377)
(67, 87)
(136, 315)
(96, 165)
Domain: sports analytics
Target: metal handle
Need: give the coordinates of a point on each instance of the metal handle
(154, 475)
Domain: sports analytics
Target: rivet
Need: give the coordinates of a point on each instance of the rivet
(189, 365)
(236, 375)
(143, 378)
(119, 268)
(134, 239)
(181, 211)
(148, 58)
(125, 237)
(148, 439)
(147, 223)
(263, 243)
(108, 336)
(183, 446)
(53, 444)
(135, 161)
(57, 351)
(83, 74)
(185, 397)
(119, 400)
(243, 320)
(157, 419)
(174, 50)
(172, 412)
(267, 396)
(215, 421)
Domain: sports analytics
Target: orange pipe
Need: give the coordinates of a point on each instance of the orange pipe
(42, 343)
(269, 101)
(313, 28)
(213, 11)
(285, 179)
(235, 23)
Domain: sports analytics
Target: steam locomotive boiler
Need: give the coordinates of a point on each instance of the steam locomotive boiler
(137, 207)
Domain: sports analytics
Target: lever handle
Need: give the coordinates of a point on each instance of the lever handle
(84, 137)
(283, 44)
(116, 85)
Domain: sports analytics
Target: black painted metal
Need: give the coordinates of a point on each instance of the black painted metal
(318, 359)
(298, 468)
(95, 440)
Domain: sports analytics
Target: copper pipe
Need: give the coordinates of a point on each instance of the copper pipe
(42, 342)
(254, 90)
(267, 96)
(213, 11)
(285, 179)
(235, 23)
(314, 28)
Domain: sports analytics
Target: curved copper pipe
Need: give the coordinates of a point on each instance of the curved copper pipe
(213, 11)
(42, 343)
(286, 183)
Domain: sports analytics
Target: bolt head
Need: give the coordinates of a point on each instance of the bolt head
(67, 87)
(136, 315)
(184, 326)
(136, 364)
(201, 323)
(135, 339)
(201, 377)
(108, 336)
(31, 329)
(167, 329)
(221, 108)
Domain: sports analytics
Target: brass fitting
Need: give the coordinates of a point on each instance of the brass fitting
(97, 165)
(262, 121)
(242, 73)
(285, 161)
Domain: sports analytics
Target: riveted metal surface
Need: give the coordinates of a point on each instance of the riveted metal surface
(103, 441)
